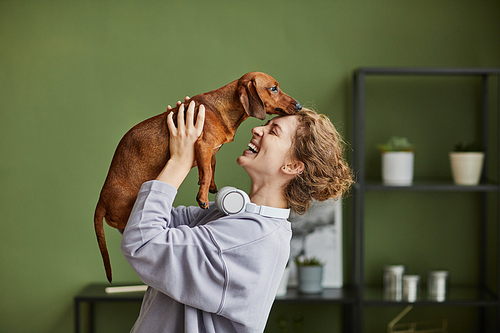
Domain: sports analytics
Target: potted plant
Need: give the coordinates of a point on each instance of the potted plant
(310, 274)
(397, 162)
(466, 164)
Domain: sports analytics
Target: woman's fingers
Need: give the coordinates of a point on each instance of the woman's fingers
(171, 125)
(186, 99)
(189, 126)
(190, 114)
(200, 120)
(181, 125)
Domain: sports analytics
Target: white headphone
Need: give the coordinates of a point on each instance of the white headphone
(230, 201)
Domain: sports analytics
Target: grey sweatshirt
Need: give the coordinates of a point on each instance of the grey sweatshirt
(206, 272)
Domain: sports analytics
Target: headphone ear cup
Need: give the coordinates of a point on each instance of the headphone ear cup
(230, 200)
(219, 197)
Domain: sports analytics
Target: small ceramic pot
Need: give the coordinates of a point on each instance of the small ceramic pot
(310, 279)
(466, 167)
(397, 168)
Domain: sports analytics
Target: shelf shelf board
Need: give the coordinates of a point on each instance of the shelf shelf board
(328, 295)
(430, 185)
(457, 296)
(96, 293)
(427, 71)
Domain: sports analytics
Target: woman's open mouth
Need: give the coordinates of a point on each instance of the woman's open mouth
(253, 148)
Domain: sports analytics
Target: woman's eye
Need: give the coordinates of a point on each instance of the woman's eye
(274, 89)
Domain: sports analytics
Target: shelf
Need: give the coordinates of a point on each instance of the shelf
(457, 296)
(487, 96)
(96, 293)
(329, 295)
(431, 185)
(427, 71)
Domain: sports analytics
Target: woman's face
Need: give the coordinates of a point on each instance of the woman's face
(269, 149)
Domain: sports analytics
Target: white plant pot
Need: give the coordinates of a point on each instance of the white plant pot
(466, 167)
(282, 289)
(397, 168)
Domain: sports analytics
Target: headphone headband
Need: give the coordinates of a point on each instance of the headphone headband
(267, 211)
(231, 200)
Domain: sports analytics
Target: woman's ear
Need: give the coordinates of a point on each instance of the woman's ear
(293, 168)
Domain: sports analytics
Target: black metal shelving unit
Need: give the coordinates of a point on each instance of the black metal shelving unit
(94, 294)
(480, 296)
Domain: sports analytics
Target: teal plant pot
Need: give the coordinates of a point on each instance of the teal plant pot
(310, 279)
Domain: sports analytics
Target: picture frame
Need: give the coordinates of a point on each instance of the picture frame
(318, 233)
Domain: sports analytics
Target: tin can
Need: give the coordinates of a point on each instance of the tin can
(411, 287)
(437, 282)
(393, 282)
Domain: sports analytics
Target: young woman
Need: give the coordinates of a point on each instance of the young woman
(211, 272)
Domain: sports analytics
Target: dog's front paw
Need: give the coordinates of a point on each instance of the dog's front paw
(202, 203)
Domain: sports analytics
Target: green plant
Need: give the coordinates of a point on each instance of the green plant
(308, 261)
(469, 147)
(396, 143)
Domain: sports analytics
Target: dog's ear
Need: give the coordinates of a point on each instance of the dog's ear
(250, 99)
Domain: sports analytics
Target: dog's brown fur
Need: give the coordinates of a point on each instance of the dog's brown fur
(144, 150)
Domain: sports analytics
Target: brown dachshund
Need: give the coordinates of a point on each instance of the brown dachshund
(144, 150)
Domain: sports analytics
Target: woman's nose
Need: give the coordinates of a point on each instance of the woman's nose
(257, 131)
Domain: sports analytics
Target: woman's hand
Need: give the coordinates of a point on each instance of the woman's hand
(182, 140)
(183, 137)
(186, 99)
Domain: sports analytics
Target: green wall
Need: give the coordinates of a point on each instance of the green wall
(76, 75)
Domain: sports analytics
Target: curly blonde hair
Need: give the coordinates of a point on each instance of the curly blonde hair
(326, 174)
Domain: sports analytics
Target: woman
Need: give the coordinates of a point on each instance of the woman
(209, 272)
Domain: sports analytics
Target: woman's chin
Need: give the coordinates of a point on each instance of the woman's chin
(241, 160)
(244, 157)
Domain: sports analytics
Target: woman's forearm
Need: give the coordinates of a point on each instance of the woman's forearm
(175, 171)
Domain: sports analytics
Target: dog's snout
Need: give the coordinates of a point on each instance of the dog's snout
(298, 106)
(292, 108)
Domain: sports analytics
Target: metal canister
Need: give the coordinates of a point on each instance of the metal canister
(437, 282)
(411, 287)
(393, 282)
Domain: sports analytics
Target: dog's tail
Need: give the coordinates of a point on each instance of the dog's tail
(100, 211)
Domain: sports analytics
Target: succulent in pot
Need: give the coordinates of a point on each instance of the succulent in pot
(466, 162)
(397, 162)
(310, 274)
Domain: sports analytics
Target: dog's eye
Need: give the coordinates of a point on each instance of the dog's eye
(274, 89)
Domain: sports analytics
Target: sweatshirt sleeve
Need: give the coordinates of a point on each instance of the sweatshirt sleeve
(179, 260)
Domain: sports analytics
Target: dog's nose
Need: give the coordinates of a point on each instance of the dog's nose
(298, 107)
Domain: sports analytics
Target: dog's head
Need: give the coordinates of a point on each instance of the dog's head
(260, 94)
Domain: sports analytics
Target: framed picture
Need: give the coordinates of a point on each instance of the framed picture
(318, 233)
